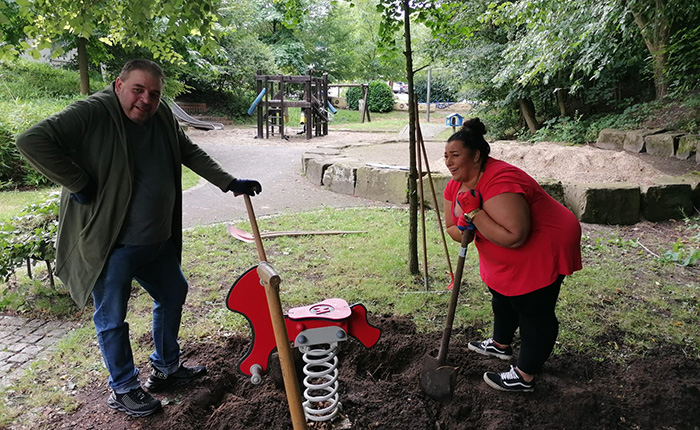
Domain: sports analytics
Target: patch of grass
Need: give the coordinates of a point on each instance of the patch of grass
(12, 202)
(189, 178)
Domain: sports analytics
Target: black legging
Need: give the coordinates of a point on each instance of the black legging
(534, 314)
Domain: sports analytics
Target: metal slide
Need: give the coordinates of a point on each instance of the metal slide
(186, 118)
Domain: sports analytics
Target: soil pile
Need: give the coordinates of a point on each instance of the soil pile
(379, 390)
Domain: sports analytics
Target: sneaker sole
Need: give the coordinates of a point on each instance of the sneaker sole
(495, 386)
(488, 353)
(137, 414)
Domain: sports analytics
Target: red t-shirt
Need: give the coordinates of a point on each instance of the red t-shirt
(553, 247)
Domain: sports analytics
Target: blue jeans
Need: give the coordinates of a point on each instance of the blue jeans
(157, 270)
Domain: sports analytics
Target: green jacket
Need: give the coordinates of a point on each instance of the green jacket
(86, 142)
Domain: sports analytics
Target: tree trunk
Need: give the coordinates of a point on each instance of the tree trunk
(83, 66)
(527, 110)
(657, 38)
(413, 173)
(561, 97)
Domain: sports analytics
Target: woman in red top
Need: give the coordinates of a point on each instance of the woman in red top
(527, 242)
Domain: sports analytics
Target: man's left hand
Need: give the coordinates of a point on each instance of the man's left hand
(250, 187)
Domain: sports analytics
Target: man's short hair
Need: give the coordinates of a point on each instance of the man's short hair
(142, 64)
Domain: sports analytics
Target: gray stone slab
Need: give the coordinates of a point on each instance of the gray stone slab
(388, 185)
(688, 146)
(611, 139)
(666, 201)
(604, 203)
(692, 179)
(340, 178)
(663, 144)
(635, 139)
(554, 188)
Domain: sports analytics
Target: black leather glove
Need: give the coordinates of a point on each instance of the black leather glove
(86, 195)
(245, 186)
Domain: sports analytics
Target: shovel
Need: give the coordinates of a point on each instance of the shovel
(438, 380)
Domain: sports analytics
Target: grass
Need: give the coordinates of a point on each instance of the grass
(12, 202)
(622, 299)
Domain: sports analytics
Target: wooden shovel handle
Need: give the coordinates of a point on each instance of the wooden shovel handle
(447, 333)
(271, 282)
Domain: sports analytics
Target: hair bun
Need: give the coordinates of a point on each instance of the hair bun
(475, 126)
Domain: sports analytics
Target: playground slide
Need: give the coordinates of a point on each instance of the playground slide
(186, 118)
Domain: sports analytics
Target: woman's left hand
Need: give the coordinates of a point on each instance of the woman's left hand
(469, 200)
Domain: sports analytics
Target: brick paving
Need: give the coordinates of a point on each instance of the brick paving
(23, 340)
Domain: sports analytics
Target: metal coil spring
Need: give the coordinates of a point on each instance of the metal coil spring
(321, 381)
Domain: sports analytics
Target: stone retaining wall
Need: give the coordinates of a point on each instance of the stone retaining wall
(600, 203)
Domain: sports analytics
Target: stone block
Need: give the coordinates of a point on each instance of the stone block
(692, 179)
(612, 139)
(387, 185)
(662, 202)
(663, 144)
(604, 203)
(688, 146)
(439, 182)
(554, 188)
(316, 154)
(635, 139)
(340, 178)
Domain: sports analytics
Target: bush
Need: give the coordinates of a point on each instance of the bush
(353, 97)
(15, 117)
(26, 80)
(29, 236)
(380, 98)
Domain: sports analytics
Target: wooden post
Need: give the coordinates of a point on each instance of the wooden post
(258, 87)
(324, 102)
(309, 111)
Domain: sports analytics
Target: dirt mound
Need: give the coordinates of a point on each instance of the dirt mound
(379, 390)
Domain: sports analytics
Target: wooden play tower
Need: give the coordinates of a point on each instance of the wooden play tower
(271, 104)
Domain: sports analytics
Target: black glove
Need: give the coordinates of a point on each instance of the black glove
(245, 186)
(85, 195)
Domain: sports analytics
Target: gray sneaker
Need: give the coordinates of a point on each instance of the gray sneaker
(487, 347)
(135, 403)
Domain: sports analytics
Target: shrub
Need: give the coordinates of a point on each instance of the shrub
(353, 97)
(24, 80)
(30, 236)
(15, 117)
(380, 98)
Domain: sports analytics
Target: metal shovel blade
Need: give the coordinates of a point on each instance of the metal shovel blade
(437, 381)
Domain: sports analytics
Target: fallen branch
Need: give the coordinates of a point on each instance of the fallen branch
(244, 236)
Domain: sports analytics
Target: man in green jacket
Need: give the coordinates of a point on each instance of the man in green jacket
(118, 155)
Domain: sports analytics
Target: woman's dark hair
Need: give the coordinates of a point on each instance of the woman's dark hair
(472, 137)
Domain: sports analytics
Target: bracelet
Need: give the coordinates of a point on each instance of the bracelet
(470, 216)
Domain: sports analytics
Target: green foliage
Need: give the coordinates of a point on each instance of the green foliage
(15, 117)
(380, 97)
(685, 251)
(443, 88)
(353, 97)
(25, 80)
(29, 236)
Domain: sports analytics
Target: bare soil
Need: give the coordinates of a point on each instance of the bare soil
(379, 387)
(379, 390)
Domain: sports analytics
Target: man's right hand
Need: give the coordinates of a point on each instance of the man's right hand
(245, 186)
(84, 196)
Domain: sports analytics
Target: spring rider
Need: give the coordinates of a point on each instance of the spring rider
(315, 330)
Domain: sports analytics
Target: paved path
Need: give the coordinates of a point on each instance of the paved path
(23, 340)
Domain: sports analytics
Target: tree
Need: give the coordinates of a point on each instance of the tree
(151, 24)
